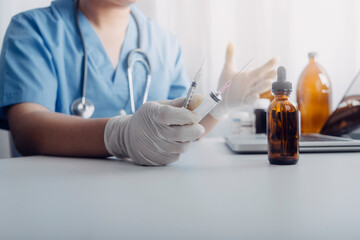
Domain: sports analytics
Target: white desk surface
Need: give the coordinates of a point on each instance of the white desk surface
(210, 193)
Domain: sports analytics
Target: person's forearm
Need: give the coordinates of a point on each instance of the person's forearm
(209, 123)
(58, 134)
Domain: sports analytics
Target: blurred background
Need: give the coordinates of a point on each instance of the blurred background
(259, 29)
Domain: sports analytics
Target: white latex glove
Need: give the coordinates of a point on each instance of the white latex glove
(246, 87)
(156, 134)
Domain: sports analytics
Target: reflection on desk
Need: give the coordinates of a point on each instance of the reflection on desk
(210, 193)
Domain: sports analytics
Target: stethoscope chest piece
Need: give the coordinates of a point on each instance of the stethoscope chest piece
(82, 108)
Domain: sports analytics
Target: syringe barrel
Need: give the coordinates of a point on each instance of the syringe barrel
(209, 102)
(189, 94)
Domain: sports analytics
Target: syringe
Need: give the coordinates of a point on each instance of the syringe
(193, 85)
(211, 100)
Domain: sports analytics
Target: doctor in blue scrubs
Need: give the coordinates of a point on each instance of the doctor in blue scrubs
(42, 73)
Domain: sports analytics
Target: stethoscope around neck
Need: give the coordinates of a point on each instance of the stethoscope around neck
(83, 107)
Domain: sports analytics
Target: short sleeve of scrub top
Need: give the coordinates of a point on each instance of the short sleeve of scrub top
(42, 58)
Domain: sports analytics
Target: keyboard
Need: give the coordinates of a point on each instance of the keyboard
(321, 138)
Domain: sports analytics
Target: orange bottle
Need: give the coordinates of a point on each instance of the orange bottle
(313, 96)
(267, 95)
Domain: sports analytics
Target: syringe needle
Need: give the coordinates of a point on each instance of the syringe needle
(242, 68)
(193, 85)
(228, 83)
(199, 72)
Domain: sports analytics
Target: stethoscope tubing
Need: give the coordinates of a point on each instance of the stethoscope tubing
(85, 63)
(130, 76)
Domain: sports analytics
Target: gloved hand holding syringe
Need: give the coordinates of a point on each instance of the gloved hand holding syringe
(160, 131)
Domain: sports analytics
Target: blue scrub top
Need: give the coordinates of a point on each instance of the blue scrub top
(42, 56)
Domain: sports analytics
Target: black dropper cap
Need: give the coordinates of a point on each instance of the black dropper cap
(281, 85)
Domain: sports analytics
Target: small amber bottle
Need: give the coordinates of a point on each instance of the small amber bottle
(313, 96)
(282, 126)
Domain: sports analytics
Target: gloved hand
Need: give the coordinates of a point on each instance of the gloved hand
(156, 134)
(246, 87)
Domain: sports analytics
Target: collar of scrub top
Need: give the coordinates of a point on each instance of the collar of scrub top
(85, 108)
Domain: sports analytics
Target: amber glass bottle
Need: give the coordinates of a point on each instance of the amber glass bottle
(283, 129)
(313, 96)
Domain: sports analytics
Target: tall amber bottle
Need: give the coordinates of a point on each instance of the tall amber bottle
(267, 95)
(313, 96)
(283, 129)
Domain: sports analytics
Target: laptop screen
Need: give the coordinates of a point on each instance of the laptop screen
(346, 117)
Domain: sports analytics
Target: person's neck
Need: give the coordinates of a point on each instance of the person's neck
(103, 15)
